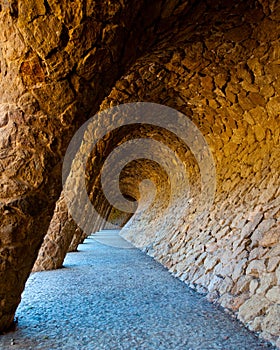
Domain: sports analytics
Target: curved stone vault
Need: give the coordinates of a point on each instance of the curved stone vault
(218, 63)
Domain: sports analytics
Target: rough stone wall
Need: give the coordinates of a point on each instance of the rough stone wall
(58, 61)
(224, 75)
(220, 67)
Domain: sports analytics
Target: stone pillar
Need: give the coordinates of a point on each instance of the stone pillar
(106, 215)
(56, 69)
(57, 240)
(78, 238)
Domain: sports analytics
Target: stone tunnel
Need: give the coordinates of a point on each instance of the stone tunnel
(207, 207)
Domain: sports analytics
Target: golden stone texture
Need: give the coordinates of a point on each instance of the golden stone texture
(63, 61)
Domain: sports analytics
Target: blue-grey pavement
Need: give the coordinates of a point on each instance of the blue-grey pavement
(106, 297)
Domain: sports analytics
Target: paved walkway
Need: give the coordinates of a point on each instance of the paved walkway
(112, 298)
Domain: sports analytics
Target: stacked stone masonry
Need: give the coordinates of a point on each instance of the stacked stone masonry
(217, 62)
(58, 61)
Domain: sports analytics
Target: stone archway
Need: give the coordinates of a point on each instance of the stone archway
(216, 62)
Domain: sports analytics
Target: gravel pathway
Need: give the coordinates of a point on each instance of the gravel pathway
(111, 298)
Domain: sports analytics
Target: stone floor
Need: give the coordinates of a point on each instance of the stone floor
(111, 298)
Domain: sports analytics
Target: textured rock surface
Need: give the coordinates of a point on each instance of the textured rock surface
(228, 79)
(218, 63)
(58, 61)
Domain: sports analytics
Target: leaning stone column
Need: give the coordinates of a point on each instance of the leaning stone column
(56, 243)
(78, 238)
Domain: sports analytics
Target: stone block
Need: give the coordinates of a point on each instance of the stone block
(271, 321)
(253, 307)
(273, 294)
(256, 268)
